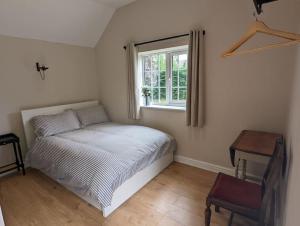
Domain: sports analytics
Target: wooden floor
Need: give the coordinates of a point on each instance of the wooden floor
(175, 197)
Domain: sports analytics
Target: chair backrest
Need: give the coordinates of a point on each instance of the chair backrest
(271, 183)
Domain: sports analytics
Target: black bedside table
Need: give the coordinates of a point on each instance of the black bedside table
(15, 141)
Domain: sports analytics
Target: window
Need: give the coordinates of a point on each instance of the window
(164, 75)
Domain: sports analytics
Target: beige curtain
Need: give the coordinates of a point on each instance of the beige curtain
(133, 82)
(195, 95)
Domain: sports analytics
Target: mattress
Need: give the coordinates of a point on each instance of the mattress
(94, 161)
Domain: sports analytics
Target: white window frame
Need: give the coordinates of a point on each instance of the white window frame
(170, 52)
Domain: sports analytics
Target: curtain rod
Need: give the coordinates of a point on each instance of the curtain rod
(162, 39)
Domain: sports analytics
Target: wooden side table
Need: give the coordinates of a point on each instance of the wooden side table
(254, 143)
(15, 141)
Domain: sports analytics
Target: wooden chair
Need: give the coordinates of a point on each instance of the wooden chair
(257, 202)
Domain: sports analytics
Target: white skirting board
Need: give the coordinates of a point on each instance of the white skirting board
(203, 165)
(209, 166)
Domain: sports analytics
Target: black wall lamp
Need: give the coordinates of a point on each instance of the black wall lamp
(41, 69)
(259, 3)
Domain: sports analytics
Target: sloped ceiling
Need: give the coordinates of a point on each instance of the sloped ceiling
(76, 22)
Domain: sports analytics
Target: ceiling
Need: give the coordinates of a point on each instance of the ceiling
(75, 22)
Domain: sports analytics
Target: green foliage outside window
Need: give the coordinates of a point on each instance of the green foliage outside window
(164, 88)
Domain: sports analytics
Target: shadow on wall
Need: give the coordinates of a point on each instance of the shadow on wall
(15, 121)
(6, 151)
(284, 185)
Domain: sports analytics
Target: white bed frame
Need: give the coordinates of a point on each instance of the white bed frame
(127, 189)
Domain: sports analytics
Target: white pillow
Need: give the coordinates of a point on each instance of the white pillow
(92, 115)
(48, 125)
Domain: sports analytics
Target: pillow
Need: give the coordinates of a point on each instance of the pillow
(48, 125)
(92, 115)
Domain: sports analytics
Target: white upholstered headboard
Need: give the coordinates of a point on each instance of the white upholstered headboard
(27, 115)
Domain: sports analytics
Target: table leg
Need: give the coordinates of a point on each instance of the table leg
(16, 156)
(237, 169)
(231, 219)
(21, 158)
(244, 175)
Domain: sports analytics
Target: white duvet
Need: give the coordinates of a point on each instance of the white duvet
(94, 161)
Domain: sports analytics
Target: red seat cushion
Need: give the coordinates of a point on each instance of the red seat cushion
(236, 191)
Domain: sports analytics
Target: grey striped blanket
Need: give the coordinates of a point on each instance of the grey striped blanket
(96, 160)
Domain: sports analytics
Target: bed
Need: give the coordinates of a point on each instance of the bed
(105, 163)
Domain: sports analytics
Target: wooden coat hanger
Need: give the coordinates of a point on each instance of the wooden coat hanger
(261, 27)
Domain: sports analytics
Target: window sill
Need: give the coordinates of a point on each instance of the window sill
(160, 107)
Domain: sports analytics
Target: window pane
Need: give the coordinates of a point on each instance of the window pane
(147, 79)
(155, 62)
(175, 79)
(162, 62)
(182, 94)
(182, 78)
(147, 63)
(182, 59)
(155, 95)
(175, 62)
(163, 95)
(163, 79)
(175, 94)
(155, 78)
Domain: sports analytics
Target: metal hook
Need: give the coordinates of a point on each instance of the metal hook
(255, 15)
(41, 70)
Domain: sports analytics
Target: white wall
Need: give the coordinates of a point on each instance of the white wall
(247, 92)
(293, 148)
(71, 78)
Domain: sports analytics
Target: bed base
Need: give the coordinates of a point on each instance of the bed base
(135, 183)
(132, 185)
